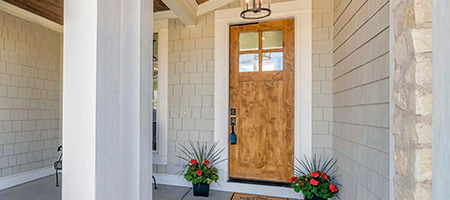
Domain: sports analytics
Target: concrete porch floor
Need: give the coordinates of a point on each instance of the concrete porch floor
(44, 189)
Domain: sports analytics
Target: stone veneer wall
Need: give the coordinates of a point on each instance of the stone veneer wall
(361, 98)
(30, 112)
(412, 130)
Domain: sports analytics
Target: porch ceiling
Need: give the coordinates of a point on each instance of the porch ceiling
(201, 1)
(53, 10)
(158, 5)
(49, 9)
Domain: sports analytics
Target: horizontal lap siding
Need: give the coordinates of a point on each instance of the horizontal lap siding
(361, 97)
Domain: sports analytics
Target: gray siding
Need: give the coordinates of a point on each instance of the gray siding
(361, 97)
(29, 95)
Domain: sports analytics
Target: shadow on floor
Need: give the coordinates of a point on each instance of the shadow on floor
(166, 192)
(41, 189)
(44, 189)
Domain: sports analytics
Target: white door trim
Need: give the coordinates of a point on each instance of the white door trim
(301, 11)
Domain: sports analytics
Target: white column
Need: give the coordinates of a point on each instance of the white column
(441, 100)
(107, 99)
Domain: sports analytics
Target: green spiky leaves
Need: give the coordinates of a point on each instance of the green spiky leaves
(313, 177)
(201, 162)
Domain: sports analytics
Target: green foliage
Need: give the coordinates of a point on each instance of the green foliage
(313, 179)
(201, 161)
(208, 174)
(309, 166)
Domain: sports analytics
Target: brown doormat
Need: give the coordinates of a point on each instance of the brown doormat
(238, 196)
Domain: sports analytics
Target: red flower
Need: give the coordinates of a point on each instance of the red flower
(199, 172)
(333, 188)
(206, 162)
(315, 174)
(301, 183)
(193, 161)
(293, 179)
(325, 176)
(313, 182)
(211, 168)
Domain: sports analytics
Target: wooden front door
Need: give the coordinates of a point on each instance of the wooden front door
(262, 100)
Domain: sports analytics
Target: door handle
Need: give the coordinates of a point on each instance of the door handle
(233, 139)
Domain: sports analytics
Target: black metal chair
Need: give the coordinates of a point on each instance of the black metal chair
(58, 165)
(154, 181)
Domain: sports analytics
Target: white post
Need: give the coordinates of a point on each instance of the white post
(107, 99)
(441, 100)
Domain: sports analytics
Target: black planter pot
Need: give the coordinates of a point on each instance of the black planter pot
(201, 189)
(315, 198)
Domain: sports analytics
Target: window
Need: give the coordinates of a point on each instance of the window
(261, 51)
(160, 91)
(155, 92)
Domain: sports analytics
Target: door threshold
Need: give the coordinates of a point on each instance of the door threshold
(259, 182)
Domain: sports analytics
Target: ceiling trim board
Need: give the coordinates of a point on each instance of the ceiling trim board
(164, 15)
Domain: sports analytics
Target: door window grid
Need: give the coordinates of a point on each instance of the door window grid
(263, 48)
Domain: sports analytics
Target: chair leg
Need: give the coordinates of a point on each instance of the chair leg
(57, 182)
(154, 181)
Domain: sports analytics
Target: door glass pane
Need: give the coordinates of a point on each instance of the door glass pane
(155, 66)
(272, 61)
(249, 62)
(272, 39)
(155, 130)
(248, 41)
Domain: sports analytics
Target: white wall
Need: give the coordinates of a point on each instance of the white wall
(79, 108)
(108, 97)
(361, 97)
(441, 98)
(30, 113)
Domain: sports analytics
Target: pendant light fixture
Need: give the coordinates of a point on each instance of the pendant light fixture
(255, 9)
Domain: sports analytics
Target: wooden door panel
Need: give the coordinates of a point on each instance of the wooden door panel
(264, 101)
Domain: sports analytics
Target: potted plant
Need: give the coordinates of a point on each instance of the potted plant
(313, 178)
(201, 165)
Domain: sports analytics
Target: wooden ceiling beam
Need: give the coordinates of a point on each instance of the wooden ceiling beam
(211, 5)
(185, 10)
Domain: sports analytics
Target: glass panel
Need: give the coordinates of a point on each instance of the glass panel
(155, 46)
(155, 66)
(248, 41)
(272, 39)
(155, 130)
(155, 91)
(249, 62)
(272, 61)
(155, 85)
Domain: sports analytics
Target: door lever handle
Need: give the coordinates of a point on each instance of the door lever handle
(233, 139)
